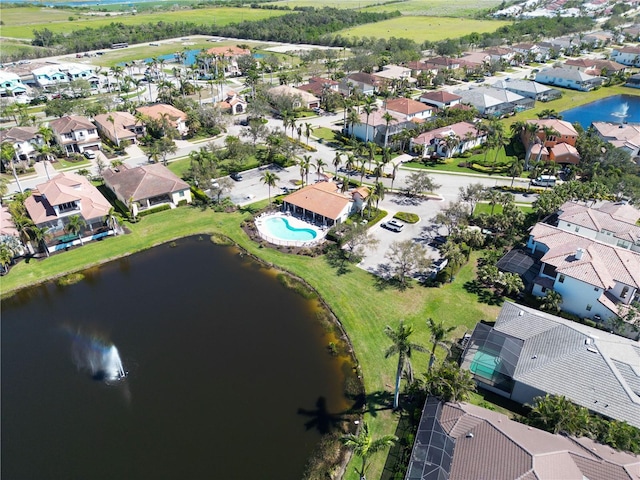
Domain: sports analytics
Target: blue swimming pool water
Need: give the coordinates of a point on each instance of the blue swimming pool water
(605, 110)
(279, 227)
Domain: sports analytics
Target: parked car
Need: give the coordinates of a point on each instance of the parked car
(545, 181)
(236, 176)
(393, 225)
(438, 240)
(90, 154)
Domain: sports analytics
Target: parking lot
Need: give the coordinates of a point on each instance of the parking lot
(422, 232)
(251, 188)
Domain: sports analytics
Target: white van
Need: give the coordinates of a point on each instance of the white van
(545, 181)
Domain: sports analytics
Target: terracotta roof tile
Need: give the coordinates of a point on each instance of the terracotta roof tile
(322, 198)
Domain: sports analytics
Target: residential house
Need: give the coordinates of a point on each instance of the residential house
(147, 186)
(318, 86)
(500, 54)
(75, 134)
(495, 102)
(25, 141)
(596, 280)
(11, 85)
(52, 203)
(301, 98)
(629, 56)
(81, 72)
(176, 118)
(434, 142)
(230, 56)
(528, 353)
(364, 83)
(411, 109)
(633, 81)
(598, 39)
(632, 33)
(530, 89)
(394, 73)
(558, 147)
(324, 203)
(49, 76)
(440, 99)
(119, 127)
(568, 78)
(234, 104)
(464, 441)
(531, 52)
(373, 128)
(443, 63)
(615, 223)
(624, 136)
(596, 66)
(420, 66)
(474, 60)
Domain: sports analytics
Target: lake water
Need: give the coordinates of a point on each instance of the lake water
(229, 374)
(604, 111)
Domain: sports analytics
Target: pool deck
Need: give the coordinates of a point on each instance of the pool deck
(295, 223)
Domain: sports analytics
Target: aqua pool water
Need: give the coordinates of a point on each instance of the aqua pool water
(281, 228)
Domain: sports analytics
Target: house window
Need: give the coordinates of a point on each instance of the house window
(544, 289)
(181, 194)
(561, 279)
(596, 289)
(551, 138)
(67, 135)
(65, 207)
(624, 293)
(92, 131)
(589, 308)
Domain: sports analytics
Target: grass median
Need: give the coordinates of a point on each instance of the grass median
(360, 303)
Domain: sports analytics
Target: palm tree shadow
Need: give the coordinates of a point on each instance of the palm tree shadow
(379, 401)
(321, 419)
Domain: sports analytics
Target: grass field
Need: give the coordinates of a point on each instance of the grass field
(20, 22)
(420, 29)
(442, 8)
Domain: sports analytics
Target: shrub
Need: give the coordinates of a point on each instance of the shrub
(199, 195)
(160, 208)
(407, 217)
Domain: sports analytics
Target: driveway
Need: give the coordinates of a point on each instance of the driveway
(421, 232)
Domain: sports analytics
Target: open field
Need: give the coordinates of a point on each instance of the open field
(22, 21)
(10, 49)
(363, 308)
(422, 29)
(442, 8)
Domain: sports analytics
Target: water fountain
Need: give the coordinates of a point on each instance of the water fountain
(100, 359)
(622, 113)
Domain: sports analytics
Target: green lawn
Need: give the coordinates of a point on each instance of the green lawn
(420, 29)
(324, 133)
(453, 164)
(438, 8)
(20, 22)
(486, 208)
(363, 308)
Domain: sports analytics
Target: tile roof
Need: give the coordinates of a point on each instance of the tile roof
(563, 127)
(556, 359)
(601, 264)
(459, 129)
(620, 219)
(288, 90)
(6, 222)
(566, 74)
(407, 106)
(376, 117)
(63, 188)
(18, 134)
(141, 183)
(322, 198)
(71, 123)
(122, 121)
(156, 111)
(440, 96)
(619, 135)
(489, 445)
(230, 51)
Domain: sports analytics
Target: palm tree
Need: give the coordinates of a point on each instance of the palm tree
(305, 166)
(369, 107)
(394, 172)
(352, 119)
(74, 226)
(378, 191)
(269, 179)
(452, 141)
(308, 128)
(516, 170)
(403, 348)
(320, 164)
(551, 302)
(438, 338)
(113, 219)
(493, 197)
(337, 161)
(363, 445)
(112, 121)
(388, 118)
(40, 235)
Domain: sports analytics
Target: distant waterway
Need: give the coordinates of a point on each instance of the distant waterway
(229, 374)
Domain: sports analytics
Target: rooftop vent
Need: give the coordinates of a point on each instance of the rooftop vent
(579, 253)
(521, 313)
(469, 435)
(592, 350)
(587, 341)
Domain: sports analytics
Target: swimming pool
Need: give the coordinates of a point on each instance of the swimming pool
(281, 228)
(485, 364)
